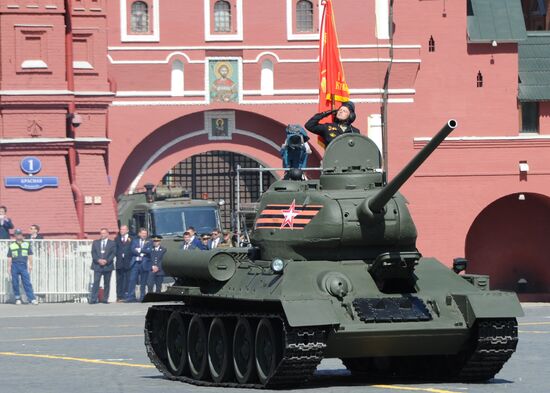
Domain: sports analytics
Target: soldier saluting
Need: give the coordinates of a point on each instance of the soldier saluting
(341, 124)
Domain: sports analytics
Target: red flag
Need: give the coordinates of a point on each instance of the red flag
(332, 82)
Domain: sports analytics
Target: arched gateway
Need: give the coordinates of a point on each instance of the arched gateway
(509, 241)
(209, 137)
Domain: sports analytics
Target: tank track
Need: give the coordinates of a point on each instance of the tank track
(492, 344)
(303, 350)
(496, 342)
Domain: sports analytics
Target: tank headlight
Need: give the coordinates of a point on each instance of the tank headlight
(221, 202)
(277, 265)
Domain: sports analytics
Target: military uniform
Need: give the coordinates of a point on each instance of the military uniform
(329, 131)
(19, 253)
(155, 279)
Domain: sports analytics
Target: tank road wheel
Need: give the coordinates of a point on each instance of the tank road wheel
(197, 339)
(267, 350)
(219, 351)
(176, 345)
(243, 351)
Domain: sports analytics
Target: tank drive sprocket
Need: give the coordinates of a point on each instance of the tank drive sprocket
(494, 342)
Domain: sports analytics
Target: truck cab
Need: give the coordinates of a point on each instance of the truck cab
(167, 212)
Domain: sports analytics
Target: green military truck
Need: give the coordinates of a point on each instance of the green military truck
(167, 212)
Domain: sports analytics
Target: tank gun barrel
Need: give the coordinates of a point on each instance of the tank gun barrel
(377, 203)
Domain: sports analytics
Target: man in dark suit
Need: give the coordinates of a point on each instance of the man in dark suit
(156, 275)
(103, 256)
(5, 223)
(123, 243)
(195, 239)
(215, 239)
(189, 244)
(139, 266)
(35, 233)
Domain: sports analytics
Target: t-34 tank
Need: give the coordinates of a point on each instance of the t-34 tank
(334, 272)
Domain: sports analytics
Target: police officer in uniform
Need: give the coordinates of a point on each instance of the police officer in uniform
(156, 275)
(20, 264)
(345, 115)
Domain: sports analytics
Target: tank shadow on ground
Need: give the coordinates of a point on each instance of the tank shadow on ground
(342, 377)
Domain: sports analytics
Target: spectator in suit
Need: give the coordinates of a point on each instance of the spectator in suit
(156, 275)
(123, 243)
(195, 239)
(34, 233)
(5, 223)
(188, 244)
(139, 266)
(103, 256)
(215, 239)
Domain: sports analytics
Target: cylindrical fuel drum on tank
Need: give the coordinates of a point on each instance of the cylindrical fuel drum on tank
(213, 265)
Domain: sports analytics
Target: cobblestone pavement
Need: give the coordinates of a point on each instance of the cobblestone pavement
(99, 348)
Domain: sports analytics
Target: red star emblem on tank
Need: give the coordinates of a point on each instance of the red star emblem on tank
(290, 214)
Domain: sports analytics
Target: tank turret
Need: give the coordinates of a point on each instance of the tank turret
(348, 213)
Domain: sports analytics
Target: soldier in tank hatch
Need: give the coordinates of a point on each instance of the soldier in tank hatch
(343, 117)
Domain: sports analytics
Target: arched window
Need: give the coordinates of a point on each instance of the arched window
(267, 78)
(140, 17)
(304, 16)
(177, 78)
(222, 17)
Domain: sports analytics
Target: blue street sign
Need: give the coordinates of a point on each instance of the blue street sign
(31, 165)
(31, 182)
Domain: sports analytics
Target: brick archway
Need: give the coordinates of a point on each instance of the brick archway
(509, 241)
(255, 136)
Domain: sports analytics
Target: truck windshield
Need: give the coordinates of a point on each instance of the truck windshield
(174, 221)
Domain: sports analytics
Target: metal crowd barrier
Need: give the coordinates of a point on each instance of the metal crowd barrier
(61, 271)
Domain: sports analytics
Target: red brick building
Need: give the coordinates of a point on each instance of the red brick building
(158, 86)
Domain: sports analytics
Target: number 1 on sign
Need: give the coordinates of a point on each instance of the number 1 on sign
(31, 165)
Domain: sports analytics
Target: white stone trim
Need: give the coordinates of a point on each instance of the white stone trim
(8, 141)
(267, 53)
(256, 47)
(526, 137)
(267, 78)
(201, 93)
(34, 92)
(167, 93)
(31, 25)
(238, 36)
(382, 12)
(159, 103)
(165, 61)
(255, 102)
(182, 138)
(177, 79)
(82, 65)
(27, 64)
(290, 36)
(374, 130)
(154, 18)
(93, 93)
(54, 93)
